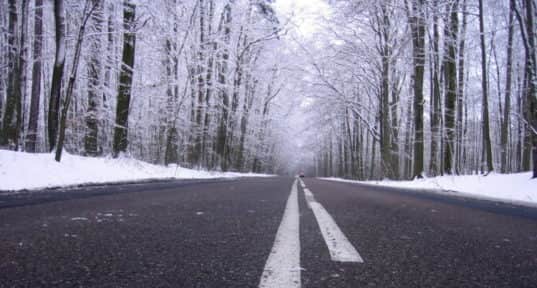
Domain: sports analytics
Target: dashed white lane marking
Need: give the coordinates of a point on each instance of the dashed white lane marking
(282, 268)
(341, 250)
(309, 197)
(79, 219)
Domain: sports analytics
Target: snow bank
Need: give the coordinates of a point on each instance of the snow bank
(19, 170)
(514, 188)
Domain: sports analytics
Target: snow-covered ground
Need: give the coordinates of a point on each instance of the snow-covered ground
(20, 170)
(516, 188)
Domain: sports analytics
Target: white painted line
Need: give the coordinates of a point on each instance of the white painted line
(309, 197)
(302, 183)
(282, 269)
(341, 250)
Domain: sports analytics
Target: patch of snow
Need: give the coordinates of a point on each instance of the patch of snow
(20, 170)
(517, 188)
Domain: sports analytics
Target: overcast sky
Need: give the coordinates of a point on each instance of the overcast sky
(303, 13)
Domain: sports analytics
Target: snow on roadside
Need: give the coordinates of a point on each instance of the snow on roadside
(513, 188)
(19, 170)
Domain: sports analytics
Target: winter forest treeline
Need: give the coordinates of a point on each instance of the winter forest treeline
(188, 82)
(393, 89)
(413, 88)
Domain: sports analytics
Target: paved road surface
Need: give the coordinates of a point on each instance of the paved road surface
(262, 232)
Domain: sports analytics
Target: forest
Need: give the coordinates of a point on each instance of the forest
(387, 89)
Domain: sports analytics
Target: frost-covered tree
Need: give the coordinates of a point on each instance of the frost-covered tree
(380, 89)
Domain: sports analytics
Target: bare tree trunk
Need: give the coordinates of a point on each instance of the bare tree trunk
(237, 82)
(373, 158)
(525, 111)
(486, 128)
(330, 156)
(4, 53)
(125, 79)
(525, 97)
(351, 138)
(359, 151)
(408, 139)
(209, 87)
(233, 117)
(417, 25)
(394, 147)
(246, 107)
(31, 137)
(23, 72)
(221, 141)
(451, 87)
(527, 29)
(520, 134)
(532, 95)
(110, 63)
(459, 165)
(435, 98)
(385, 141)
(8, 136)
(507, 105)
(13, 114)
(196, 154)
(91, 145)
(171, 62)
(57, 74)
(88, 11)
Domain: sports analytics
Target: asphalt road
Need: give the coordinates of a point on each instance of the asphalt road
(220, 234)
